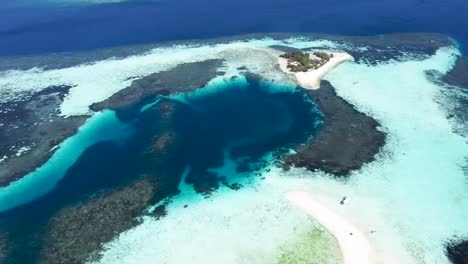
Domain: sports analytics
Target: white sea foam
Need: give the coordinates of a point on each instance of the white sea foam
(414, 196)
(97, 81)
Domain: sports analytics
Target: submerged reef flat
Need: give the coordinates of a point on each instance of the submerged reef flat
(167, 138)
(458, 252)
(31, 130)
(371, 50)
(254, 224)
(75, 233)
(32, 127)
(375, 49)
(457, 75)
(305, 249)
(455, 84)
(347, 138)
(186, 77)
(201, 125)
(4, 247)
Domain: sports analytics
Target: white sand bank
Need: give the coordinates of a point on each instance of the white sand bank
(311, 79)
(353, 244)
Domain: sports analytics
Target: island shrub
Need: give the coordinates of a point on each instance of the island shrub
(299, 61)
(322, 55)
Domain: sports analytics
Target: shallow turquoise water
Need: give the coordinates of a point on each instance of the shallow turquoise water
(239, 122)
(44, 179)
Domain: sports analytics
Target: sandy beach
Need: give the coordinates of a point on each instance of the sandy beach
(354, 245)
(311, 79)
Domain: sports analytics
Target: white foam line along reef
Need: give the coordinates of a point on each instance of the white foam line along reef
(94, 82)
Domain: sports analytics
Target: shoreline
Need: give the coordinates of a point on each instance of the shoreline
(311, 79)
(354, 246)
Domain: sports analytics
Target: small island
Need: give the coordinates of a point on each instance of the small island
(299, 61)
(308, 68)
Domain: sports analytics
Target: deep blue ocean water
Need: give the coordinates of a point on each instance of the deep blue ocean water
(32, 26)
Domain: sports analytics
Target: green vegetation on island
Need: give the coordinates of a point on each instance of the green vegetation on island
(299, 61)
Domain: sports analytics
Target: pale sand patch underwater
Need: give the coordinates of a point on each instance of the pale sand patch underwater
(414, 195)
(313, 245)
(252, 225)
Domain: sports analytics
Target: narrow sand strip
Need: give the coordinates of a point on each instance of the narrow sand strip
(311, 79)
(353, 244)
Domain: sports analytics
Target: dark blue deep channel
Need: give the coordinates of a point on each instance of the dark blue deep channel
(245, 117)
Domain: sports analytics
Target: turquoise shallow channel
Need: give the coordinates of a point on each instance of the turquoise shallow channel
(240, 122)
